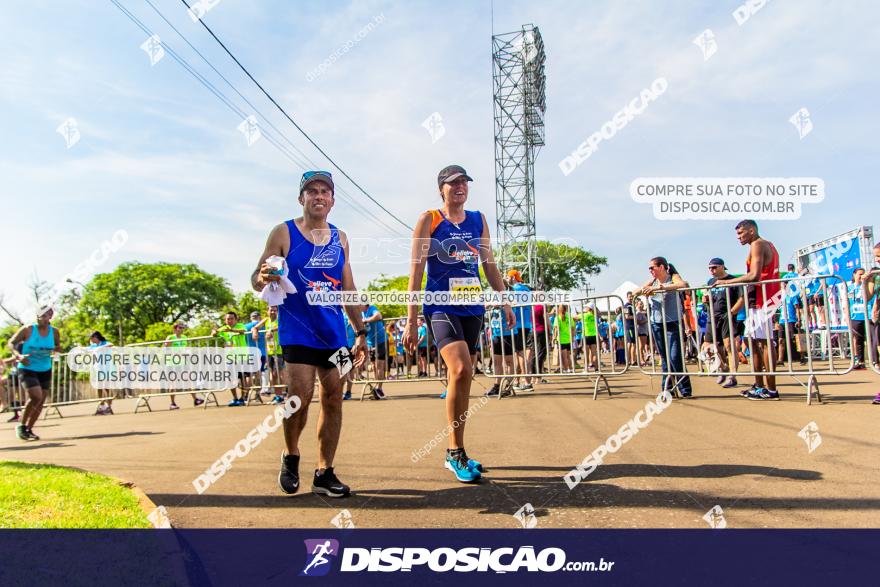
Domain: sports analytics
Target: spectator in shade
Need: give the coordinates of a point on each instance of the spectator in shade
(540, 333)
(105, 407)
(178, 340)
(666, 327)
(721, 329)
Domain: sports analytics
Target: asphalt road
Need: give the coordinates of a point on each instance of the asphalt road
(715, 450)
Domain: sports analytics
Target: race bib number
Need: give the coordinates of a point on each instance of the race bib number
(465, 284)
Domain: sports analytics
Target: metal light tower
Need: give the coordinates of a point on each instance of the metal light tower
(520, 102)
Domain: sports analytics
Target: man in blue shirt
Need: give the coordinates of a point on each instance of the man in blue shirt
(422, 348)
(603, 334)
(257, 338)
(523, 338)
(377, 341)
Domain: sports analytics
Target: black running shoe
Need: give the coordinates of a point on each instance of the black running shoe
(21, 432)
(330, 485)
(30, 434)
(288, 478)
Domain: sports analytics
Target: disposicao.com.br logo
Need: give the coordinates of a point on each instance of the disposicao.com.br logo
(441, 560)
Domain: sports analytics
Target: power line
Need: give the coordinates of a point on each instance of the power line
(293, 122)
(311, 164)
(229, 104)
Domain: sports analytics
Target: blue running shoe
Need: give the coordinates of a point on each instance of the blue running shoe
(443, 395)
(346, 395)
(764, 394)
(458, 463)
(475, 465)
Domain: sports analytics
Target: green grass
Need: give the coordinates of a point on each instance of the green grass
(46, 496)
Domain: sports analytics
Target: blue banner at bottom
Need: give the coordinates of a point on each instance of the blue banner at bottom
(434, 557)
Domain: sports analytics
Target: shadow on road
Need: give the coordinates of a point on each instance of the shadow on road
(113, 435)
(34, 445)
(503, 494)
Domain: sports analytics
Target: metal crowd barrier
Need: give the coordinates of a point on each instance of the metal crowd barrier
(872, 318)
(794, 333)
(68, 387)
(209, 395)
(402, 364)
(528, 363)
(14, 395)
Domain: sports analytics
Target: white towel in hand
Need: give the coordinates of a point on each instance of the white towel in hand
(274, 293)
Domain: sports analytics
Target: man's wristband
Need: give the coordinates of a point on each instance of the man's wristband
(361, 332)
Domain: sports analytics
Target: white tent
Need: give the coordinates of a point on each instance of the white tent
(612, 303)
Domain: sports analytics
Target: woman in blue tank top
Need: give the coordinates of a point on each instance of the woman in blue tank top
(38, 341)
(452, 242)
(312, 336)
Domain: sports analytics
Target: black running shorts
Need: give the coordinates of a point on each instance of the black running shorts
(522, 339)
(449, 328)
(502, 344)
(35, 378)
(304, 355)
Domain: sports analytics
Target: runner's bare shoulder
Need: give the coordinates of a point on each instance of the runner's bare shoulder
(279, 239)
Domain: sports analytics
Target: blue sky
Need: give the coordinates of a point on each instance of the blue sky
(160, 157)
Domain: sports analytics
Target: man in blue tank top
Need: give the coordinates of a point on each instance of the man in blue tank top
(38, 341)
(523, 340)
(453, 242)
(312, 336)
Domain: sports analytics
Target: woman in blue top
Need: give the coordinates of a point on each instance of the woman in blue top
(39, 341)
(856, 296)
(453, 242)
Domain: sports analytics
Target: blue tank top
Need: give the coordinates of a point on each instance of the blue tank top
(523, 313)
(498, 323)
(312, 268)
(454, 260)
(39, 348)
(856, 301)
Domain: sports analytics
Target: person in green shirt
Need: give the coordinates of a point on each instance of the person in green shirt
(235, 335)
(591, 354)
(562, 329)
(178, 340)
(274, 360)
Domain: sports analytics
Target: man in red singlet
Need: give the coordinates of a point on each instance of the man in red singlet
(762, 265)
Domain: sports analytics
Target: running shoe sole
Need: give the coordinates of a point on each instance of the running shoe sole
(454, 472)
(328, 492)
(283, 490)
(757, 397)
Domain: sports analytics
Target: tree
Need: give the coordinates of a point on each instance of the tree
(136, 295)
(159, 331)
(248, 302)
(559, 266)
(9, 313)
(388, 283)
(6, 333)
